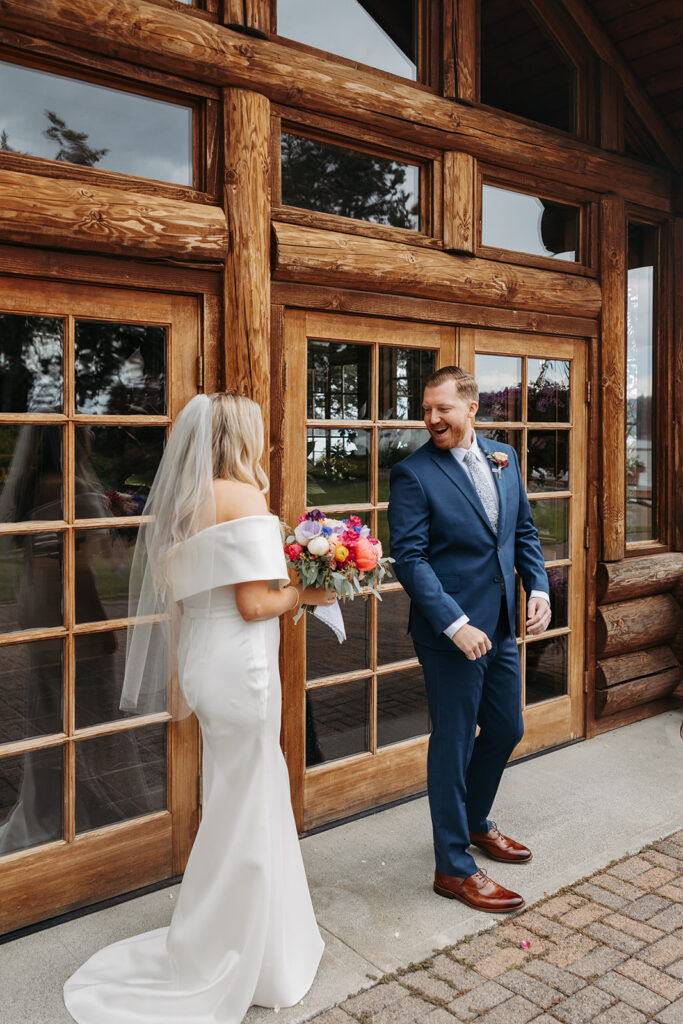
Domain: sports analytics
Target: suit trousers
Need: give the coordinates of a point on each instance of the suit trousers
(463, 773)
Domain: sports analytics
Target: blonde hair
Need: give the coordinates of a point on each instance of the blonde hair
(465, 384)
(237, 439)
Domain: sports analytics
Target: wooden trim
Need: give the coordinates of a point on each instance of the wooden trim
(592, 524)
(467, 50)
(316, 219)
(677, 383)
(460, 202)
(611, 109)
(449, 49)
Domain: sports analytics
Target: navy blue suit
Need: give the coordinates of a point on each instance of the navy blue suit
(451, 562)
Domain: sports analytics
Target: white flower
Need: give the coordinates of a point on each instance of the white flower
(318, 546)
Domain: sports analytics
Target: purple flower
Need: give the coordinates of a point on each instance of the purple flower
(315, 514)
(307, 530)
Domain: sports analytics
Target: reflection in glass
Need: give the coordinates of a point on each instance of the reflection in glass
(338, 720)
(552, 522)
(640, 333)
(102, 566)
(383, 531)
(548, 460)
(31, 369)
(393, 641)
(338, 466)
(123, 461)
(31, 799)
(511, 437)
(518, 606)
(546, 669)
(558, 578)
(92, 125)
(120, 776)
(500, 387)
(100, 661)
(31, 590)
(120, 368)
(30, 690)
(402, 373)
(338, 381)
(394, 445)
(322, 646)
(524, 223)
(548, 390)
(30, 472)
(332, 179)
(384, 36)
(401, 706)
(523, 68)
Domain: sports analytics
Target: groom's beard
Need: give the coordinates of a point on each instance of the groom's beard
(453, 436)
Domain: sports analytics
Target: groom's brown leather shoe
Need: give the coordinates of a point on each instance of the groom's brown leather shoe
(478, 891)
(500, 847)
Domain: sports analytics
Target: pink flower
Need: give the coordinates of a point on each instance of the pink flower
(293, 551)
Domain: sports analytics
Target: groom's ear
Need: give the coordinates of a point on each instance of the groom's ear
(473, 409)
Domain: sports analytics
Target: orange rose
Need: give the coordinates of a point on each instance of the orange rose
(366, 554)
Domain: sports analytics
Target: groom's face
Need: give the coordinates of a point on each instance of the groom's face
(448, 417)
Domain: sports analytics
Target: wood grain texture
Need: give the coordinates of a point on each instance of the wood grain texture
(678, 380)
(181, 44)
(310, 256)
(625, 668)
(635, 625)
(613, 375)
(638, 577)
(611, 109)
(459, 202)
(467, 50)
(637, 691)
(448, 50)
(72, 215)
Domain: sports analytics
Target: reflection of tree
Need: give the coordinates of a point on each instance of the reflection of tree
(328, 178)
(549, 392)
(74, 148)
(30, 362)
(120, 368)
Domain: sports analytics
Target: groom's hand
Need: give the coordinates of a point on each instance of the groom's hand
(538, 615)
(473, 642)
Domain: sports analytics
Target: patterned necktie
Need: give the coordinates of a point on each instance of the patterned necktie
(482, 488)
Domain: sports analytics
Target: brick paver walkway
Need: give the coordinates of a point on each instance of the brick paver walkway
(606, 950)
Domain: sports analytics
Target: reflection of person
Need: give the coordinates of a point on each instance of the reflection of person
(460, 525)
(243, 930)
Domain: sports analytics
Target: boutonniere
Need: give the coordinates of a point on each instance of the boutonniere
(500, 461)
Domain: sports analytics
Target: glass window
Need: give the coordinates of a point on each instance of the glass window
(402, 373)
(338, 381)
(500, 388)
(525, 223)
(331, 179)
(337, 721)
(376, 33)
(640, 369)
(31, 363)
(94, 126)
(120, 368)
(31, 799)
(523, 68)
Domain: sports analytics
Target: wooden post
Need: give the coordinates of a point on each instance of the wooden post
(459, 202)
(250, 13)
(466, 52)
(678, 381)
(247, 265)
(611, 109)
(613, 242)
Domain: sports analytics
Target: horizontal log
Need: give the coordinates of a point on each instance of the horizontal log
(72, 215)
(634, 625)
(181, 44)
(312, 256)
(639, 691)
(638, 577)
(625, 668)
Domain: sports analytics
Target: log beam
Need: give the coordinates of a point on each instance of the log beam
(635, 625)
(624, 668)
(638, 577)
(177, 42)
(312, 256)
(67, 214)
(638, 691)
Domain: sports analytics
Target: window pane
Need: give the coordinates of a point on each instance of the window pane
(548, 390)
(558, 578)
(513, 220)
(640, 333)
(120, 776)
(338, 381)
(393, 641)
(337, 721)
(401, 706)
(338, 467)
(394, 445)
(523, 69)
(546, 669)
(31, 368)
(320, 176)
(552, 522)
(94, 126)
(381, 35)
(30, 690)
(31, 589)
(115, 467)
(402, 373)
(31, 799)
(511, 437)
(100, 662)
(120, 368)
(323, 653)
(548, 460)
(500, 387)
(383, 533)
(103, 560)
(30, 472)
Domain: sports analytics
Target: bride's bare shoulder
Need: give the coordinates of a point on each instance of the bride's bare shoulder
(235, 500)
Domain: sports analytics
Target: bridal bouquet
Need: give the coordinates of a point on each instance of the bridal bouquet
(338, 554)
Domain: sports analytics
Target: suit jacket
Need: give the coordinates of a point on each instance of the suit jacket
(448, 557)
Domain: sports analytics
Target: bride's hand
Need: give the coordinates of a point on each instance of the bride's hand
(317, 595)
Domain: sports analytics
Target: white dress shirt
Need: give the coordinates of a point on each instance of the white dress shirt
(459, 455)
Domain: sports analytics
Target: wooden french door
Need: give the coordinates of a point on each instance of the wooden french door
(355, 715)
(93, 801)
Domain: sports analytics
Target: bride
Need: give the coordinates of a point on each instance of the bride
(208, 583)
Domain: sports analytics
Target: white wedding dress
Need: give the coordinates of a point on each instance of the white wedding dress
(243, 931)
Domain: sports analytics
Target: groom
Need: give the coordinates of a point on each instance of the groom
(460, 525)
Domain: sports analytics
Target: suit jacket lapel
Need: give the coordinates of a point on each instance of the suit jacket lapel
(460, 477)
(489, 446)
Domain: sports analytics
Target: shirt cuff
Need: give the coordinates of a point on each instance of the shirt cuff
(451, 630)
(539, 593)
